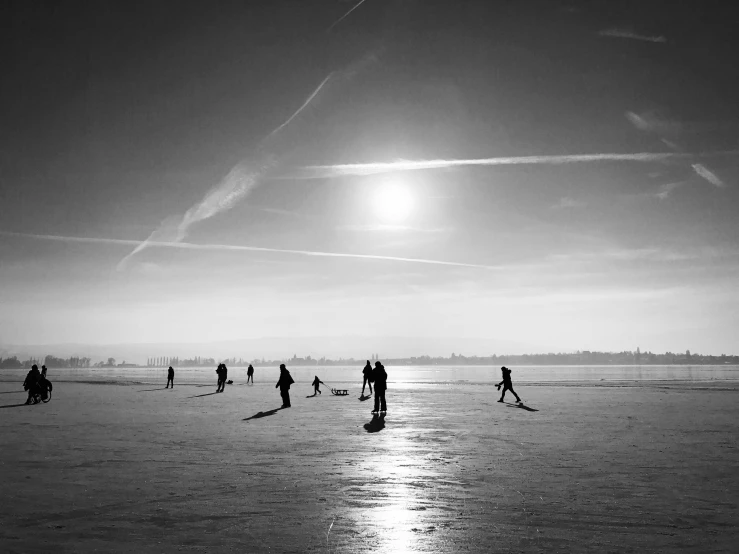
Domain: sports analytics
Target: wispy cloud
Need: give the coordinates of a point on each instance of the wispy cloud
(568, 202)
(702, 171)
(389, 228)
(625, 33)
(239, 248)
(666, 189)
(371, 168)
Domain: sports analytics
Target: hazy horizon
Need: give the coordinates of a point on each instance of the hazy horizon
(561, 175)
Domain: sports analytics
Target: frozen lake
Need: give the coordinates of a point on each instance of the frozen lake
(344, 375)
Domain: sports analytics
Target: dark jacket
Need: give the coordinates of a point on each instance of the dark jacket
(250, 370)
(367, 372)
(285, 380)
(380, 378)
(170, 372)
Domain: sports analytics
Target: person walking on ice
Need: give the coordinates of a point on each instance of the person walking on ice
(170, 377)
(250, 374)
(284, 384)
(507, 384)
(316, 387)
(380, 378)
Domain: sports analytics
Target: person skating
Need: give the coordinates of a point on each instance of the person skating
(250, 375)
(284, 385)
(170, 377)
(367, 374)
(316, 383)
(507, 384)
(380, 378)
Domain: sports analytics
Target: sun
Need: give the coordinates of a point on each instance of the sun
(393, 202)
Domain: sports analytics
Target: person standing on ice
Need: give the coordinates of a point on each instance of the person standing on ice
(380, 379)
(284, 385)
(170, 377)
(367, 373)
(507, 384)
(250, 374)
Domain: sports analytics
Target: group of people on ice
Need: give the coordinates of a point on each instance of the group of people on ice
(371, 375)
(37, 385)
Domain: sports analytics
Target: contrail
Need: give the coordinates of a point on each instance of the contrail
(651, 124)
(335, 23)
(301, 108)
(238, 248)
(623, 33)
(340, 170)
(239, 182)
(708, 175)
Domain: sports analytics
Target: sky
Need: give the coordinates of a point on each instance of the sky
(188, 172)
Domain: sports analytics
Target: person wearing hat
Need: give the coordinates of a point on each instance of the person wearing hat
(380, 377)
(284, 385)
(507, 384)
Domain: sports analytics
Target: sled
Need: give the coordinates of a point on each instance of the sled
(339, 392)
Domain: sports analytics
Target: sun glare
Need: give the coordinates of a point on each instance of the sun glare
(393, 202)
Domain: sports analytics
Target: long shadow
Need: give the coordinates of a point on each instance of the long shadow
(522, 406)
(206, 394)
(149, 390)
(14, 405)
(263, 414)
(363, 398)
(376, 425)
(311, 395)
(12, 391)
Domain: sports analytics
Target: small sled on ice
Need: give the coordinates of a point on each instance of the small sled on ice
(339, 392)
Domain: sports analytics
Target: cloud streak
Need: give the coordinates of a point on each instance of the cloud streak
(343, 17)
(624, 33)
(239, 248)
(372, 168)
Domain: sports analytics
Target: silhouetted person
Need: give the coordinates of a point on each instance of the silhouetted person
(221, 378)
(316, 383)
(225, 377)
(250, 374)
(43, 371)
(367, 373)
(284, 384)
(380, 378)
(31, 383)
(170, 377)
(507, 384)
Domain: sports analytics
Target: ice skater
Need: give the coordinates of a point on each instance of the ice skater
(367, 373)
(316, 387)
(250, 374)
(170, 377)
(379, 376)
(284, 385)
(507, 384)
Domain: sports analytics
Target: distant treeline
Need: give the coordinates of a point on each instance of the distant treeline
(584, 357)
(48, 361)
